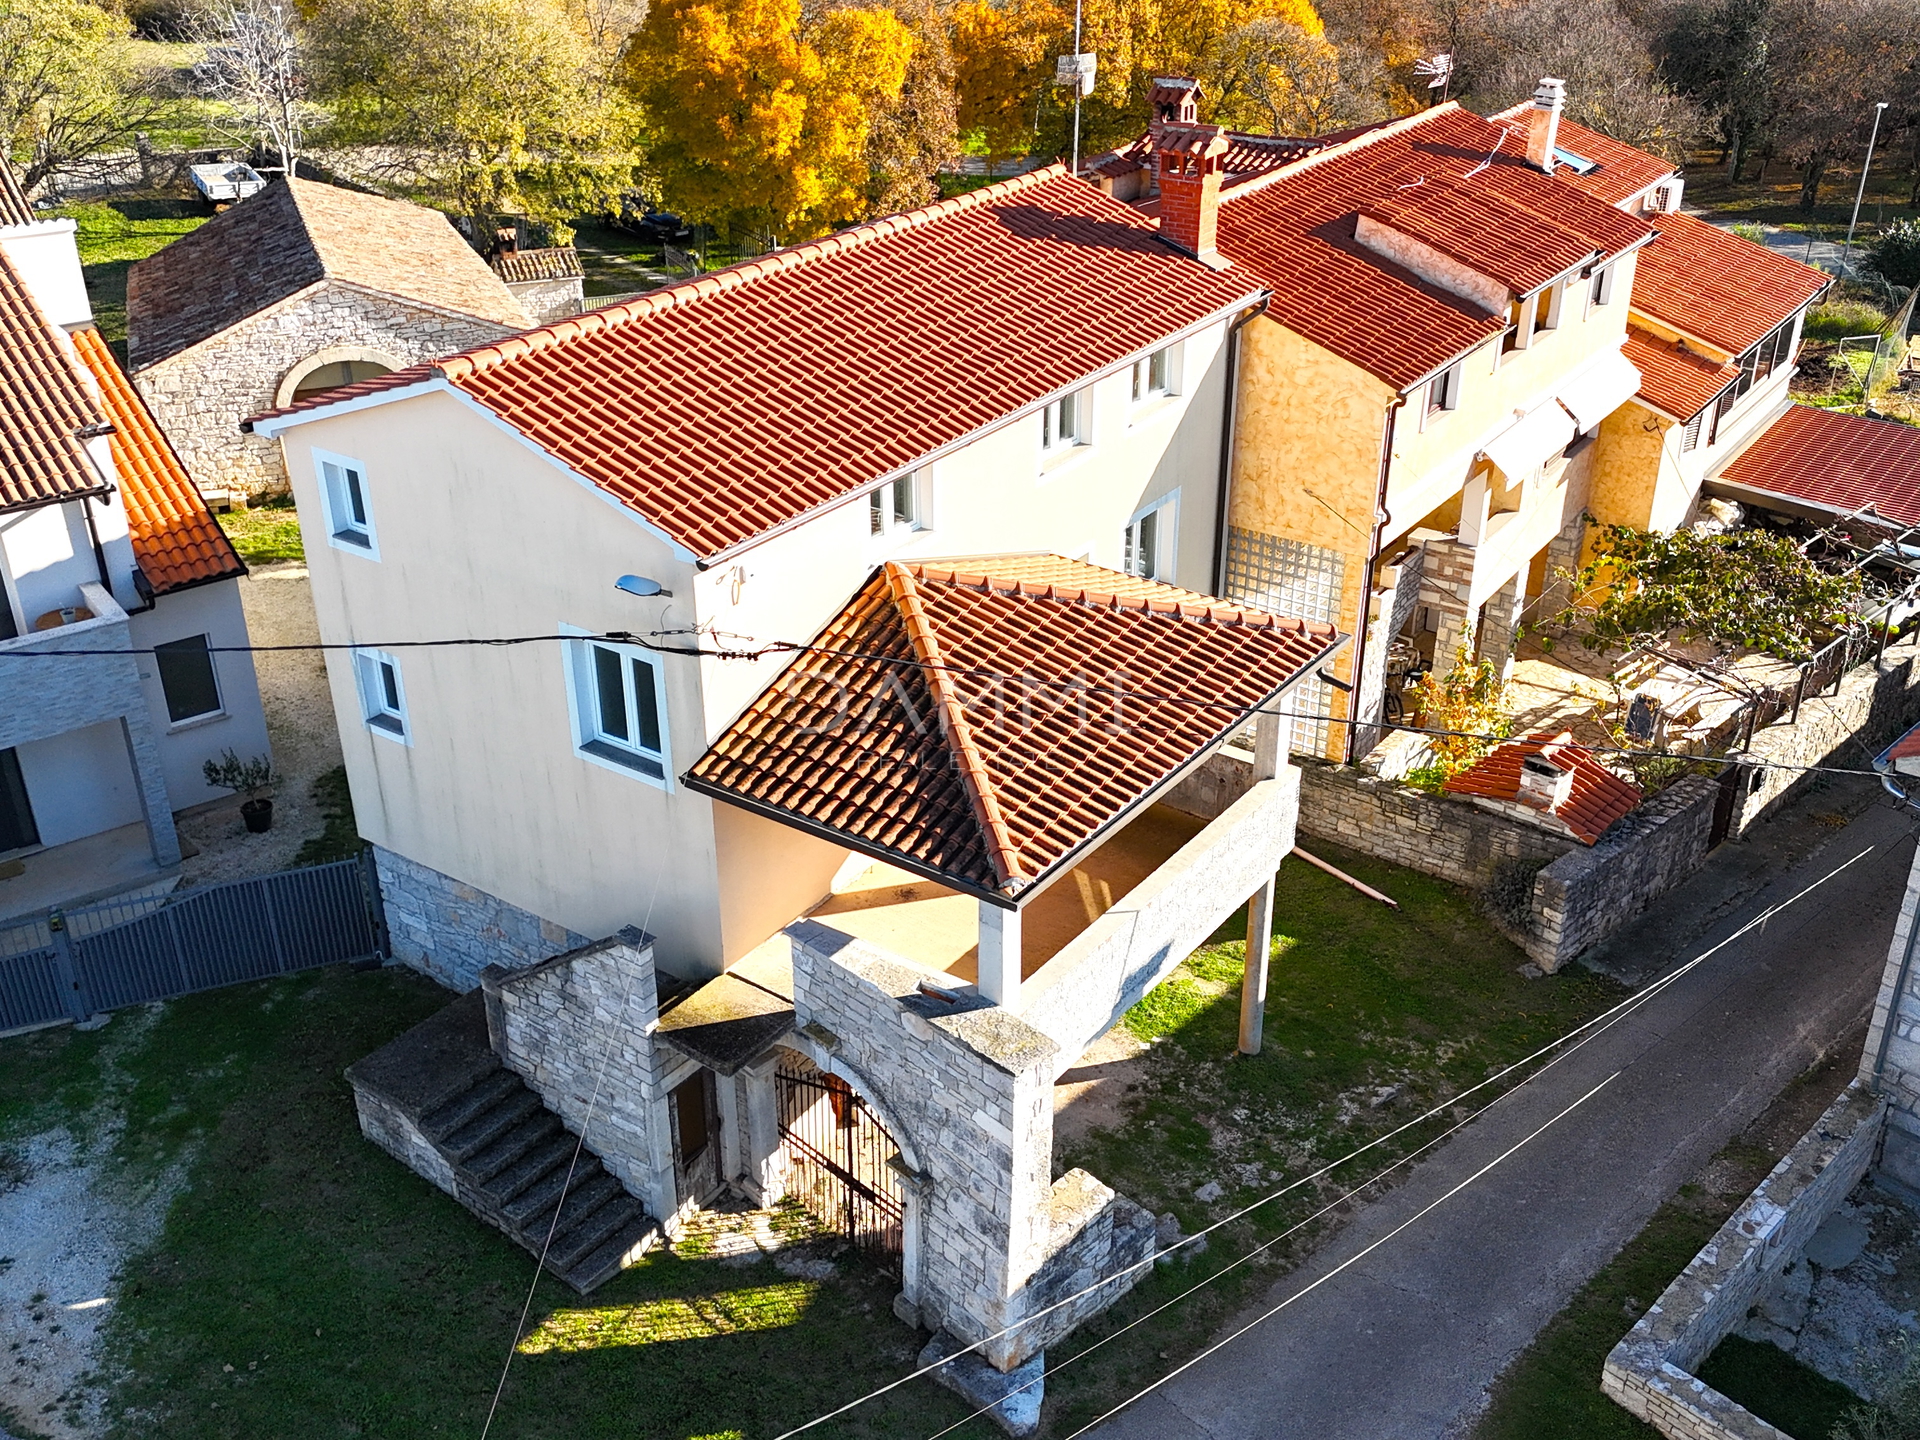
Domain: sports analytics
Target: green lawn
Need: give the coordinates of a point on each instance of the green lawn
(114, 235)
(267, 531)
(351, 1298)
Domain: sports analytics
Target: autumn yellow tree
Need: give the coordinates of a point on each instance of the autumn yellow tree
(1003, 63)
(758, 125)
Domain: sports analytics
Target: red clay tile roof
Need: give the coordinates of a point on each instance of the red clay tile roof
(1674, 379)
(1293, 230)
(1709, 282)
(517, 267)
(292, 235)
(1906, 748)
(176, 540)
(14, 209)
(721, 408)
(1623, 170)
(45, 409)
(1515, 248)
(1246, 155)
(1835, 462)
(1595, 799)
(921, 731)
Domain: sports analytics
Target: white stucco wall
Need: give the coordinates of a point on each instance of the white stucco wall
(214, 611)
(478, 535)
(80, 782)
(48, 263)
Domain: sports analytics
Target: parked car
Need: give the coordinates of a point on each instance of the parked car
(660, 226)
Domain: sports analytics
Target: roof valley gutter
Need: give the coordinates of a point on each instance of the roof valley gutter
(1229, 419)
(1382, 517)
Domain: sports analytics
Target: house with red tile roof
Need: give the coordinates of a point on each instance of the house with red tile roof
(1479, 331)
(105, 544)
(884, 658)
(1547, 775)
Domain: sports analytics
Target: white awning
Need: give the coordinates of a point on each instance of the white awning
(1600, 389)
(1529, 443)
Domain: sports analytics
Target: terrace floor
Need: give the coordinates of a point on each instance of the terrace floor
(938, 928)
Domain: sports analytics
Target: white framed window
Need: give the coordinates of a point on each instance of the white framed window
(1602, 291)
(1147, 549)
(1156, 376)
(343, 503)
(187, 679)
(618, 703)
(383, 695)
(899, 506)
(1443, 392)
(1067, 423)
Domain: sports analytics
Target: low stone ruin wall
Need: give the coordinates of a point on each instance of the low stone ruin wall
(1651, 1372)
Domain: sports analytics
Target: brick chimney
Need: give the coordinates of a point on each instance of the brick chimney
(1543, 122)
(1190, 159)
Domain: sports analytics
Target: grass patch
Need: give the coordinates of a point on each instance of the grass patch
(1774, 198)
(1778, 1388)
(350, 1297)
(339, 837)
(1365, 1004)
(267, 531)
(1835, 319)
(111, 236)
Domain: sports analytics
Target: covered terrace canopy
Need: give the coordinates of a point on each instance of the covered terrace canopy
(983, 722)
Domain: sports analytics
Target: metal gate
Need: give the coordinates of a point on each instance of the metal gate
(841, 1163)
(154, 947)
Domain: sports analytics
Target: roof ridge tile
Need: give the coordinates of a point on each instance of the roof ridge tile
(969, 762)
(1334, 152)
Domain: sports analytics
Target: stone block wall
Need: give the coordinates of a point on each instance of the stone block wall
(1591, 891)
(1872, 706)
(1446, 579)
(1650, 1372)
(201, 395)
(1890, 1062)
(453, 931)
(966, 1090)
(1435, 835)
(578, 1029)
(394, 1131)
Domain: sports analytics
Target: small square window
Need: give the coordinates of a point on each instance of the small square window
(1444, 392)
(1153, 375)
(383, 698)
(343, 501)
(187, 678)
(619, 706)
(1148, 546)
(895, 508)
(1066, 422)
(1603, 285)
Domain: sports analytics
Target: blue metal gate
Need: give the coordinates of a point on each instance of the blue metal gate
(154, 947)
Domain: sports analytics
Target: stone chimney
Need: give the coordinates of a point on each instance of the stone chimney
(1543, 122)
(1190, 160)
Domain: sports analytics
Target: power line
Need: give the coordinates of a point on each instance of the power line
(1078, 686)
(1604, 1021)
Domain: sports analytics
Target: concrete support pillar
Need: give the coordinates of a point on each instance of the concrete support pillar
(1474, 501)
(150, 779)
(1270, 744)
(999, 971)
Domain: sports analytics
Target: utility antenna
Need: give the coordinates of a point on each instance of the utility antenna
(1076, 70)
(1440, 69)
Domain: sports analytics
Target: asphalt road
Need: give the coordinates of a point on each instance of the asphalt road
(1403, 1343)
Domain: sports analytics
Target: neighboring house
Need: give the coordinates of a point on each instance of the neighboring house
(1480, 330)
(296, 290)
(548, 283)
(977, 451)
(105, 545)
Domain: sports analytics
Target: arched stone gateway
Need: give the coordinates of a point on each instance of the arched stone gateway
(837, 1158)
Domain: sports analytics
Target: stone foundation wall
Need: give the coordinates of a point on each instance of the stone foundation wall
(1590, 892)
(453, 931)
(201, 395)
(389, 1127)
(1650, 1372)
(1872, 707)
(577, 1028)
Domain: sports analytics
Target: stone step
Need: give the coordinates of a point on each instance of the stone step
(628, 1244)
(558, 1150)
(592, 1187)
(488, 1126)
(535, 1203)
(485, 1093)
(587, 1232)
(530, 1134)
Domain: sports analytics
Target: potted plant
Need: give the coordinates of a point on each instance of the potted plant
(250, 778)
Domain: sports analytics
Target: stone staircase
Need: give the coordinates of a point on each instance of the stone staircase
(440, 1100)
